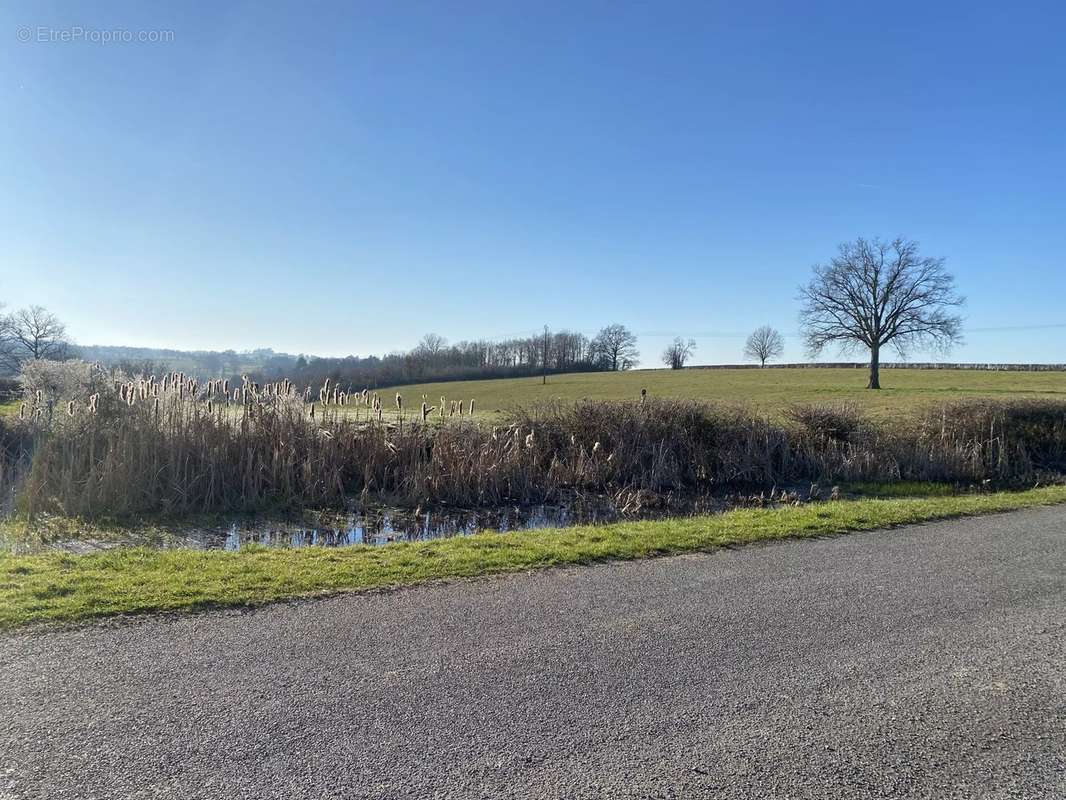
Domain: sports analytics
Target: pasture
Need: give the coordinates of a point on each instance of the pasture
(769, 391)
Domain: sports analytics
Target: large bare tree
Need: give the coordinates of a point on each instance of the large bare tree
(873, 295)
(763, 344)
(615, 347)
(679, 352)
(32, 334)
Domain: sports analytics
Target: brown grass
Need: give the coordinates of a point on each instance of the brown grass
(265, 446)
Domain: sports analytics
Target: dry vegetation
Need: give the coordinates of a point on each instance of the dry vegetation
(172, 445)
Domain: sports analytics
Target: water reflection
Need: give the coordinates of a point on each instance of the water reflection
(379, 526)
(382, 527)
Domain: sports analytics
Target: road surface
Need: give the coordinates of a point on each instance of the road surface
(922, 662)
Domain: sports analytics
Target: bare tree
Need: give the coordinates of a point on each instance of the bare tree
(431, 345)
(763, 344)
(615, 348)
(33, 334)
(8, 361)
(875, 294)
(544, 355)
(678, 353)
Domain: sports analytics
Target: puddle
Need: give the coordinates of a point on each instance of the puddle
(396, 525)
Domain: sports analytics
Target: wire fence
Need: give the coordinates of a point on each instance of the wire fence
(988, 367)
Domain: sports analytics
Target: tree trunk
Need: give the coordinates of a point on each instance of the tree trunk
(875, 368)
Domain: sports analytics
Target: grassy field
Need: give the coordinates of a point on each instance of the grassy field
(58, 587)
(768, 390)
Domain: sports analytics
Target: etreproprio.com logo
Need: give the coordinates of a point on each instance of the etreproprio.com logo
(79, 33)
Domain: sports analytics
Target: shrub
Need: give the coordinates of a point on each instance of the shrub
(60, 381)
(838, 423)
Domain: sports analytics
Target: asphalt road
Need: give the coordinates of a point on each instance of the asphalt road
(921, 662)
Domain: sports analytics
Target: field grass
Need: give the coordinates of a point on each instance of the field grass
(56, 587)
(768, 390)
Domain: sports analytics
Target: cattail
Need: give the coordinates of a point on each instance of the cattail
(70, 409)
(425, 410)
(451, 409)
(37, 397)
(210, 407)
(529, 439)
(22, 411)
(399, 402)
(643, 395)
(156, 406)
(225, 386)
(460, 408)
(471, 409)
(311, 412)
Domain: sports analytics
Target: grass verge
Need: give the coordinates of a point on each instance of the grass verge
(58, 587)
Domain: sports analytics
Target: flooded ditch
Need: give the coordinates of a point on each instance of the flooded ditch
(379, 526)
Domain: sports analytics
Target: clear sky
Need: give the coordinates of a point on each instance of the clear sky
(342, 178)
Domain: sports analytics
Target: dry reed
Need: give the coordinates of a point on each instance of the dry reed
(187, 451)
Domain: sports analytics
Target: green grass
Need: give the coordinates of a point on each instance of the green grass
(900, 489)
(58, 587)
(768, 390)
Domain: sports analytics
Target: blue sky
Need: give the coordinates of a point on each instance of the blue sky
(342, 178)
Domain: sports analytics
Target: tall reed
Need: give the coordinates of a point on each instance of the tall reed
(191, 449)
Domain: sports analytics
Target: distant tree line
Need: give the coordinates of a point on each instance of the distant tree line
(36, 334)
(434, 359)
(872, 295)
